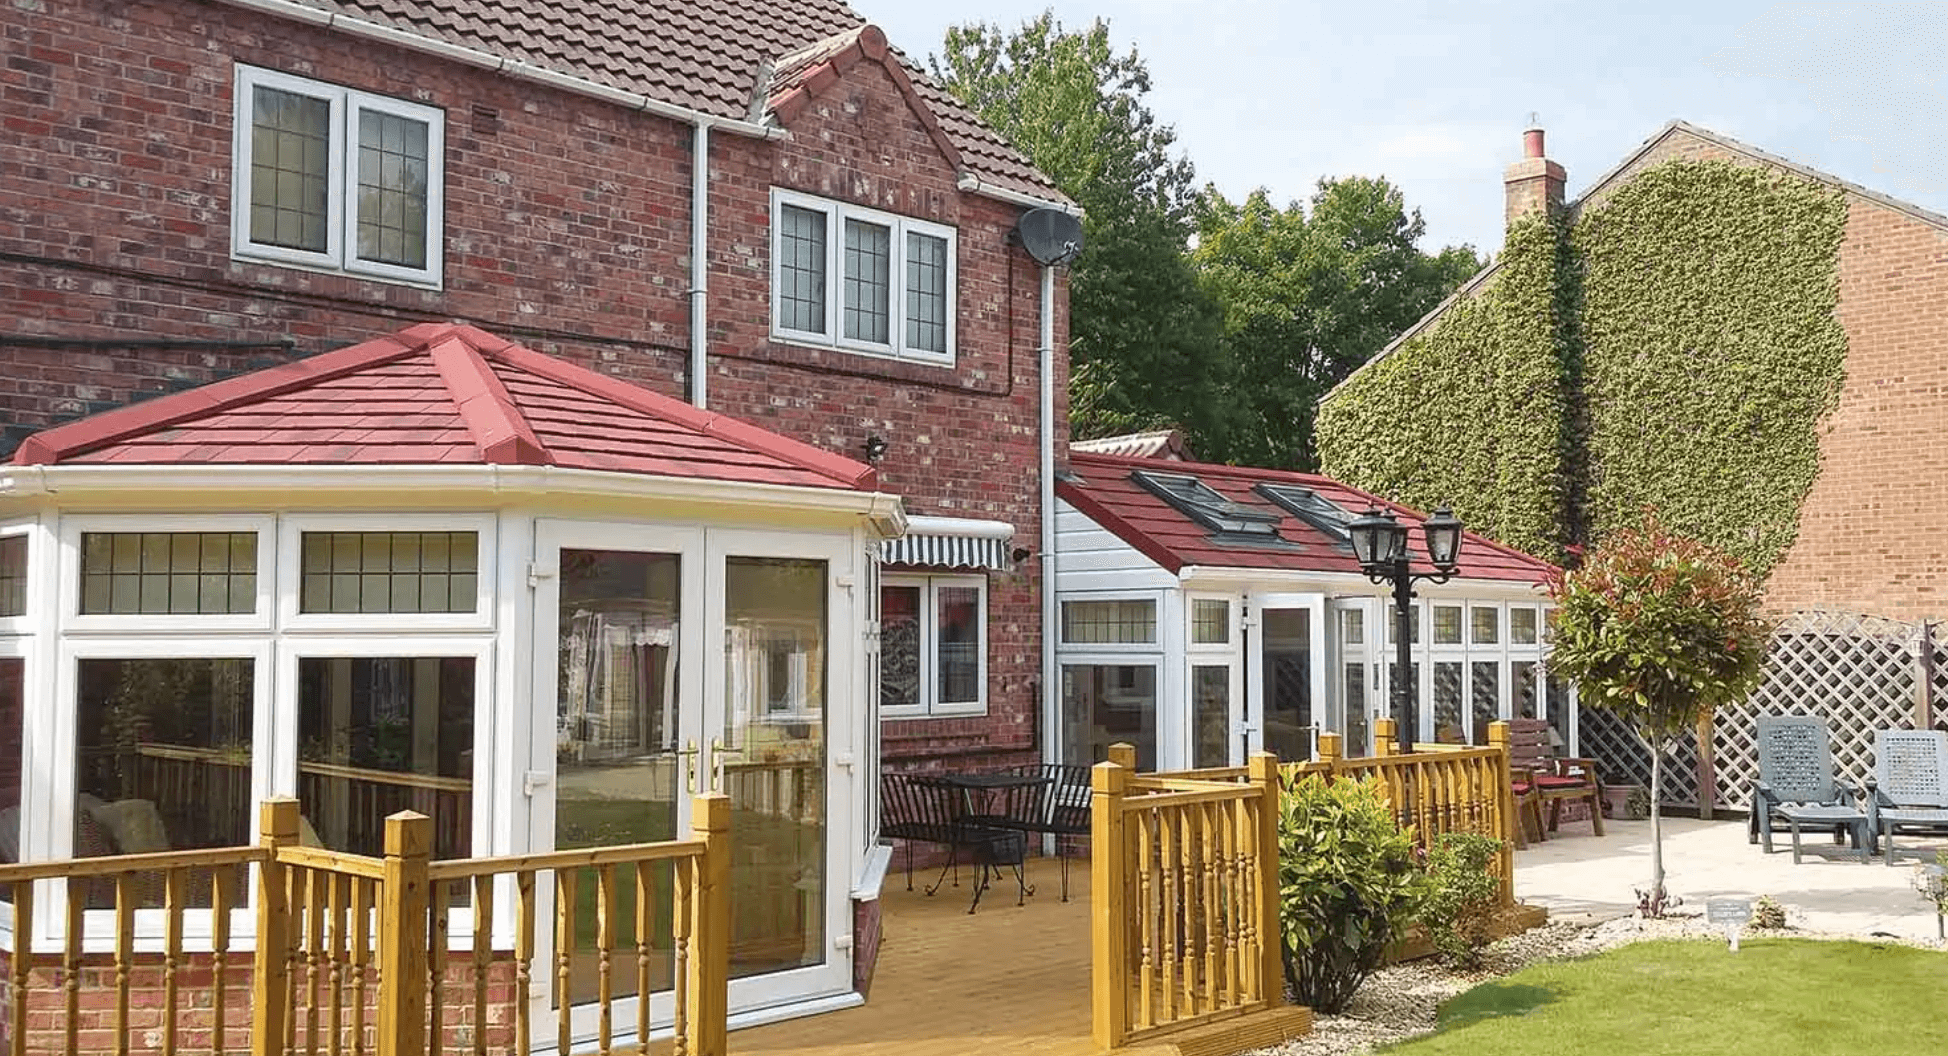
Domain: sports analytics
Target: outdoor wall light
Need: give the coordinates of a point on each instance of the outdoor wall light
(875, 448)
(1380, 546)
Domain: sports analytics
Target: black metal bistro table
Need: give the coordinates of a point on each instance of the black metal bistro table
(985, 810)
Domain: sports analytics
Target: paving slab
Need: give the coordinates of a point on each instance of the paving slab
(1576, 875)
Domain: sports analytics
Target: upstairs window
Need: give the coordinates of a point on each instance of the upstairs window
(335, 179)
(861, 280)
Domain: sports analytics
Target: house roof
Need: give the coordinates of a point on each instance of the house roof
(440, 394)
(1618, 173)
(1104, 487)
(739, 60)
(1157, 443)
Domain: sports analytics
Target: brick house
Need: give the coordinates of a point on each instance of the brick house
(185, 207)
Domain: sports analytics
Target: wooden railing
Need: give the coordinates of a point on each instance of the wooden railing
(1438, 788)
(1184, 873)
(400, 955)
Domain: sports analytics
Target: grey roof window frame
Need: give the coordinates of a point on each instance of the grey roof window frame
(1227, 520)
(1315, 509)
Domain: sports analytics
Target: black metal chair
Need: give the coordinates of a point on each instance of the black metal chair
(916, 808)
(1058, 807)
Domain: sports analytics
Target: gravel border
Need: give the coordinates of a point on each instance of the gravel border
(1401, 1001)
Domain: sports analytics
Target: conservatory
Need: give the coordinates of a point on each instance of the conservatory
(1207, 611)
(439, 571)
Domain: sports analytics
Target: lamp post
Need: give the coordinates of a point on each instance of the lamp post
(1380, 545)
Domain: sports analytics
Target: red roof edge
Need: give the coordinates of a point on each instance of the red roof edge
(838, 468)
(869, 42)
(87, 434)
(489, 413)
(1117, 526)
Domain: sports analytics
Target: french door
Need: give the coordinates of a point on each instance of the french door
(670, 662)
(1356, 696)
(1286, 673)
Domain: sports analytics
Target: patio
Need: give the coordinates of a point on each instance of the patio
(1578, 875)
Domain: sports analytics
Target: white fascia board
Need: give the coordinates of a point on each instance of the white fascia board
(959, 527)
(884, 510)
(1219, 577)
(973, 184)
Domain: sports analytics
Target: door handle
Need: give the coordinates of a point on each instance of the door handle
(714, 762)
(689, 754)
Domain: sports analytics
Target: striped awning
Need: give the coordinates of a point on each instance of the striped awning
(950, 542)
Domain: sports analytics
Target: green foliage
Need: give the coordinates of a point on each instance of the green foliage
(1306, 300)
(1462, 895)
(1712, 351)
(1142, 336)
(1473, 412)
(1348, 886)
(1677, 347)
(1767, 915)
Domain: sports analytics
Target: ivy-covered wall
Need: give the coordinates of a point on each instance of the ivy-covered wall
(1676, 346)
(1473, 411)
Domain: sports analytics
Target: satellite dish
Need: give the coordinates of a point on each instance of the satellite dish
(1051, 236)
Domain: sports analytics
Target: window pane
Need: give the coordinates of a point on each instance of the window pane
(1486, 691)
(378, 735)
(899, 646)
(12, 671)
(1210, 621)
(868, 281)
(1352, 627)
(1447, 625)
(1104, 704)
(1522, 675)
(13, 575)
(1357, 725)
(163, 758)
(392, 203)
(1109, 622)
(801, 269)
(1521, 626)
(389, 572)
(926, 293)
(958, 642)
(1210, 696)
(1485, 624)
(1285, 658)
(168, 573)
(290, 148)
(1448, 721)
(1558, 705)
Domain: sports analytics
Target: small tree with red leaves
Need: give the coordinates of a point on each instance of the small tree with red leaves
(1660, 631)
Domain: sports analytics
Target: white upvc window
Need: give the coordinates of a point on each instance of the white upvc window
(1114, 622)
(352, 572)
(334, 179)
(933, 645)
(861, 280)
(166, 573)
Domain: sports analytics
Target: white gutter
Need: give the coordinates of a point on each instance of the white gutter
(1051, 674)
(959, 527)
(699, 265)
(973, 184)
(358, 27)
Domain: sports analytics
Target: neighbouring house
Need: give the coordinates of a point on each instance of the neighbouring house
(1211, 611)
(758, 209)
(1750, 346)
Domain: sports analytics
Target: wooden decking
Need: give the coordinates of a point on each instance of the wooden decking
(1007, 980)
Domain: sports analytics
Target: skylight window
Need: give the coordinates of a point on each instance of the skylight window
(1312, 508)
(1229, 521)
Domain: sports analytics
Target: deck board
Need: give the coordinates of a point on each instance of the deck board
(1006, 980)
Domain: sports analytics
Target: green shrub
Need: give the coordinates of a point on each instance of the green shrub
(1348, 886)
(1462, 895)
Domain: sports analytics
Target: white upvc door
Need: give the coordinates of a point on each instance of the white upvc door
(1285, 673)
(669, 662)
(1353, 643)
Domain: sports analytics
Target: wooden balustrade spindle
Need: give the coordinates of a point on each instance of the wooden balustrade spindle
(1169, 913)
(364, 897)
(316, 971)
(483, 956)
(683, 895)
(77, 906)
(1212, 856)
(1185, 932)
(523, 961)
(645, 922)
(21, 965)
(439, 925)
(336, 896)
(564, 955)
(175, 891)
(124, 956)
(1150, 960)
(605, 940)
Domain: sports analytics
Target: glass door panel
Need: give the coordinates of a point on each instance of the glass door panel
(619, 737)
(1287, 662)
(1211, 717)
(771, 760)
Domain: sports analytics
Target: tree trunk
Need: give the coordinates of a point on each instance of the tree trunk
(1654, 903)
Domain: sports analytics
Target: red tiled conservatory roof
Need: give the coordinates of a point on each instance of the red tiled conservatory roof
(440, 394)
(1102, 488)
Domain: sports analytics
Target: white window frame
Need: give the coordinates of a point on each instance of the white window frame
(930, 704)
(1158, 634)
(341, 227)
(25, 623)
(74, 622)
(290, 573)
(836, 214)
(27, 651)
(53, 838)
(1169, 734)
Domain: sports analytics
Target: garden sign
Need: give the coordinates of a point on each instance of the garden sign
(1733, 913)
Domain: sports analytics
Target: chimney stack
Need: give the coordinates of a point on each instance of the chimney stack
(1533, 184)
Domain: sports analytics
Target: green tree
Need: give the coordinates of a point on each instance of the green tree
(1306, 299)
(1660, 631)
(1142, 335)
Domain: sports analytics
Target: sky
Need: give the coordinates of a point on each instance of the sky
(1434, 96)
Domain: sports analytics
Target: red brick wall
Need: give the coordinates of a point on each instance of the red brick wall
(567, 227)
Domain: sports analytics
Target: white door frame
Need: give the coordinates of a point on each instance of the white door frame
(1255, 692)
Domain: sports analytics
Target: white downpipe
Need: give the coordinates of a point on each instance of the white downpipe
(700, 266)
(1051, 674)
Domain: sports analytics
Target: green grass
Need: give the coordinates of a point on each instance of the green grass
(1774, 997)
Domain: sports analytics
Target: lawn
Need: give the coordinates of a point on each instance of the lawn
(1773, 997)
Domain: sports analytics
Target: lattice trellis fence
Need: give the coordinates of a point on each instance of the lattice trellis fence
(1863, 673)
